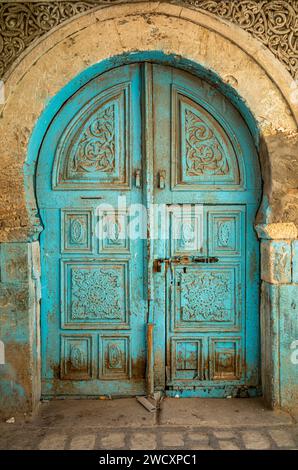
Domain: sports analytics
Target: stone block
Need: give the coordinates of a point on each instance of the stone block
(276, 261)
(288, 345)
(282, 438)
(172, 439)
(83, 442)
(54, 441)
(270, 343)
(277, 231)
(113, 440)
(279, 330)
(199, 436)
(255, 440)
(228, 445)
(143, 441)
(225, 435)
(200, 446)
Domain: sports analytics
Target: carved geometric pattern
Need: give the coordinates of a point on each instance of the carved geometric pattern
(272, 22)
(112, 232)
(224, 233)
(76, 358)
(96, 148)
(92, 149)
(225, 359)
(204, 154)
(186, 358)
(225, 228)
(186, 229)
(76, 231)
(95, 292)
(204, 296)
(115, 357)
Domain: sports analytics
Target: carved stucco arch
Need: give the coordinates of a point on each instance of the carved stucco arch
(253, 79)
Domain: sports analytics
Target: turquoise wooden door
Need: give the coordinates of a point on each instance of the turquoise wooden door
(206, 255)
(154, 140)
(93, 307)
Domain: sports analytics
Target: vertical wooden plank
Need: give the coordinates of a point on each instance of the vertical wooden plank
(147, 127)
(162, 194)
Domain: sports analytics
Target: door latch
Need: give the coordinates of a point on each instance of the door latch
(157, 264)
(183, 260)
(208, 259)
(138, 178)
(162, 179)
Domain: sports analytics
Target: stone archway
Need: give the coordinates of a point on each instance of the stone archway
(97, 39)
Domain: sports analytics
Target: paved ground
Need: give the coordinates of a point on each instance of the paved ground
(192, 424)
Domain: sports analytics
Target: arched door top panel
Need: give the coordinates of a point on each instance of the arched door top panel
(90, 140)
(211, 145)
(93, 148)
(203, 156)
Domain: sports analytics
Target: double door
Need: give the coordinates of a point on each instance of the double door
(148, 185)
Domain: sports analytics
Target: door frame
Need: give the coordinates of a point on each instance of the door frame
(157, 58)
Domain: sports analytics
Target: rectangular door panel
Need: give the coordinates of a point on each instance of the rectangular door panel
(96, 294)
(226, 229)
(206, 297)
(200, 362)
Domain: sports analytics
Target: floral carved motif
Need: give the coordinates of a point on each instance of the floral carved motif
(22, 23)
(77, 360)
(187, 234)
(96, 148)
(78, 231)
(224, 233)
(204, 154)
(272, 22)
(95, 294)
(204, 296)
(115, 359)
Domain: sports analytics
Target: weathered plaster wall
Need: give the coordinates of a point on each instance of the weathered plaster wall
(283, 187)
(19, 304)
(279, 313)
(255, 81)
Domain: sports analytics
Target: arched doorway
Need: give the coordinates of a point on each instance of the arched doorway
(136, 137)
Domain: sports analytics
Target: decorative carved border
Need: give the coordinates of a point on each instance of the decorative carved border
(273, 22)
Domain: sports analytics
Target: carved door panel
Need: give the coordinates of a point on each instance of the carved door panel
(207, 278)
(93, 307)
